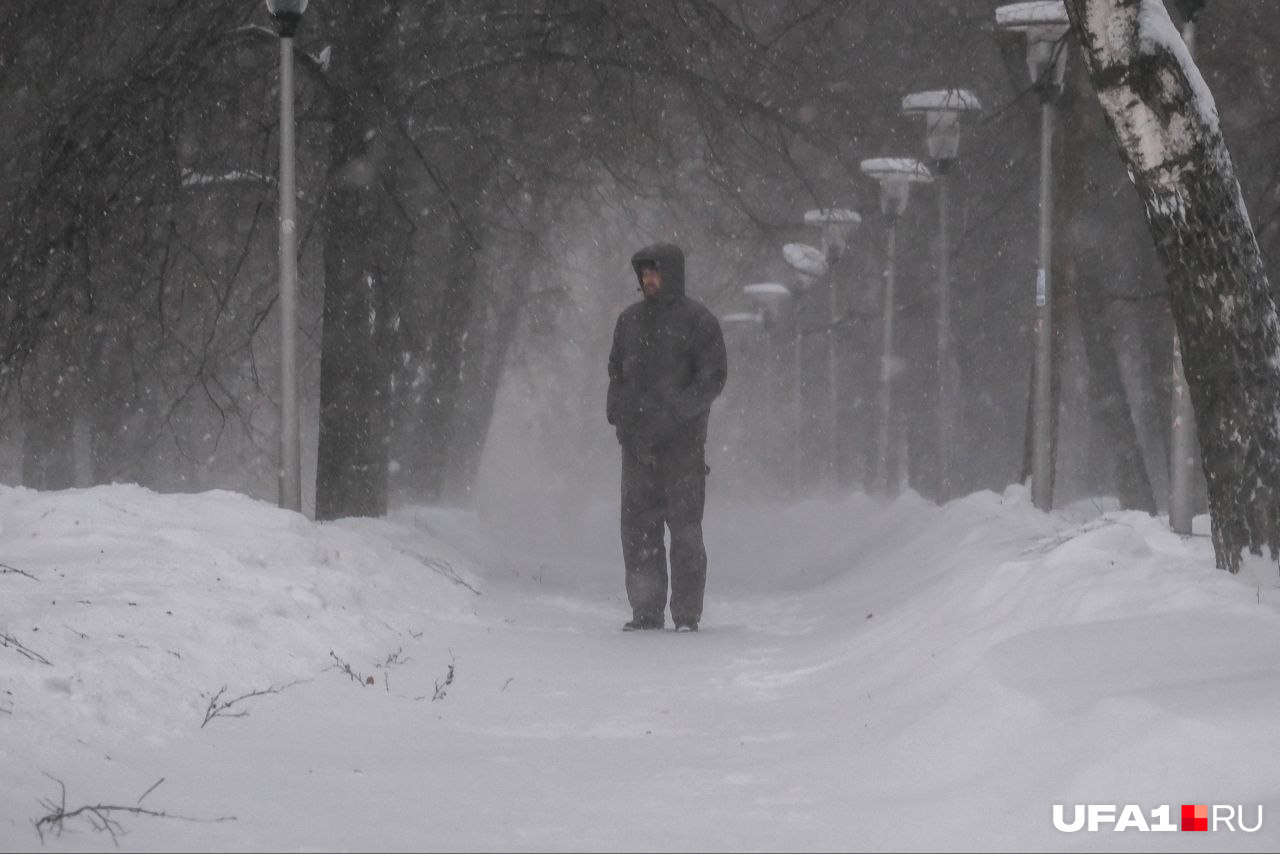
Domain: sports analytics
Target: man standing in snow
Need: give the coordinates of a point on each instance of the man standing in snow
(667, 365)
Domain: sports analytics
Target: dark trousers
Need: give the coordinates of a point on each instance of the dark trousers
(667, 489)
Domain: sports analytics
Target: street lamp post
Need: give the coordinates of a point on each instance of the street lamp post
(288, 14)
(1045, 24)
(837, 226)
(941, 111)
(770, 297)
(895, 175)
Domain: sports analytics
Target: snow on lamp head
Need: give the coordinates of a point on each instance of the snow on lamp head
(1045, 23)
(837, 226)
(808, 262)
(746, 320)
(941, 109)
(769, 296)
(896, 175)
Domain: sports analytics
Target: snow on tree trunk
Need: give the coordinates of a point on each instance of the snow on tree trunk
(1166, 123)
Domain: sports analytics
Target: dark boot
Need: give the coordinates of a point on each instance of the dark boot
(642, 623)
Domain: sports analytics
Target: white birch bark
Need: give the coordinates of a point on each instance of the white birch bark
(1166, 124)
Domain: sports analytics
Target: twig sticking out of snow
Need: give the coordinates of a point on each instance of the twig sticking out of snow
(9, 640)
(5, 569)
(100, 816)
(219, 708)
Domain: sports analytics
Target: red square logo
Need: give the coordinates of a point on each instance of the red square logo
(1195, 816)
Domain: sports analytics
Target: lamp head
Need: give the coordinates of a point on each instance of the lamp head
(288, 14)
(896, 175)
(770, 296)
(742, 319)
(1045, 23)
(808, 262)
(941, 110)
(837, 227)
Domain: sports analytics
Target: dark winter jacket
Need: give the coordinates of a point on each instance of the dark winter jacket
(667, 364)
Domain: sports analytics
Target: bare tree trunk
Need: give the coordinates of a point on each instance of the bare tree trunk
(446, 363)
(485, 355)
(361, 267)
(484, 367)
(52, 380)
(1166, 124)
(48, 417)
(352, 457)
(1107, 393)
(1083, 267)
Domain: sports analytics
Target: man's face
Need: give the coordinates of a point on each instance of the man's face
(650, 281)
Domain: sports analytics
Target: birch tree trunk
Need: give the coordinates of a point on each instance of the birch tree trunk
(1166, 124)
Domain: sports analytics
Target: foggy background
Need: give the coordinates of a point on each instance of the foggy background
(473, 178)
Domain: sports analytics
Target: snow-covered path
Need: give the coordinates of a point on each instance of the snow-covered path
(897, 677)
